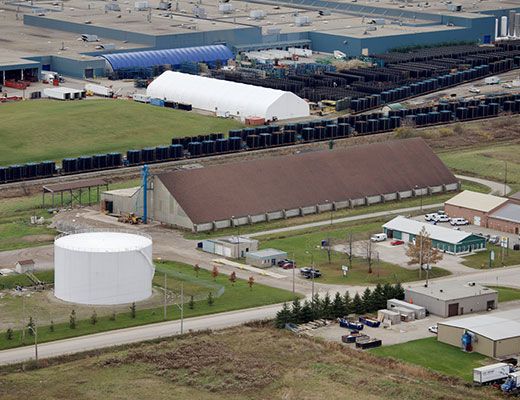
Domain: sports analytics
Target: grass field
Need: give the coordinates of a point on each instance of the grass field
(237, 296)
(487, 162)
(52, 130)
(11, 281)
(506, 293)
(437, 356)
(247, 362)
(480, 260)
(305, 246)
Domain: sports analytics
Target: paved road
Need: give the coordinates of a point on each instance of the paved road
(136, 334)
(494, 187)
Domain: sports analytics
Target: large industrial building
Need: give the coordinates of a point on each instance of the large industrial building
(486, 210)
(44, 35)
(240, 100)
(246, 192)
(445, 239)
(448, 299)
(496, 335)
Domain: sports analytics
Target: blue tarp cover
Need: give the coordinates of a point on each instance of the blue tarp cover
(144, 59)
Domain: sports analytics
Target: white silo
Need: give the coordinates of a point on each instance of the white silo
(103, 268)
(503, 26)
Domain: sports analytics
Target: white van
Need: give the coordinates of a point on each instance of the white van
(458, 221)
(378, 237)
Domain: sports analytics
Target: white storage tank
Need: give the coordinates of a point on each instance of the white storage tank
(103, 268)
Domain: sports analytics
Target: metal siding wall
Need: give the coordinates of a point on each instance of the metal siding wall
(76, 68)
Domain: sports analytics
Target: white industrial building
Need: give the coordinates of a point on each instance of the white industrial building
(227, 98)
(103, 268)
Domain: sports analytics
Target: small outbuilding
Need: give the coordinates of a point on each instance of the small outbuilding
(389, 316)
(445, 239)
(399, 305)
(448, 299)
(24, 266)
(494, 335)
(265, 258)
(232, 247)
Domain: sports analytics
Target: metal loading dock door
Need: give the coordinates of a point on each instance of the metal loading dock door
(453, 309)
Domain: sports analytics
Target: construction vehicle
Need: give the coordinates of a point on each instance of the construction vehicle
(130, 218)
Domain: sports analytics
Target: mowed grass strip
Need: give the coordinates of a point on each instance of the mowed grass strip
(236, 296)
(503, 258)
(436, 356)
(506, 293)
(52, 130)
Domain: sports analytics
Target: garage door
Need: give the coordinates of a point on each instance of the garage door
(453, 309)
(476, 220)
(405, 237)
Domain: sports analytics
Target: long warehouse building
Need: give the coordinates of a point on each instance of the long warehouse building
(247, 192)
(226, 98)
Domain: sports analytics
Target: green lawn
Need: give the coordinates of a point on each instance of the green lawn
(436, 356)
(304, 246)
(487, 162)
(480, 259)
(506, 293)
(235, 297)
(52, 130)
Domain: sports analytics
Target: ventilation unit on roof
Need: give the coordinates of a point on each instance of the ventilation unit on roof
(257, 14)
(225, 8)
(302, 20)
(199, 12)
(273, 30)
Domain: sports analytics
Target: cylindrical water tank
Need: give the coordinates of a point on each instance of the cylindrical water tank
(103, 268)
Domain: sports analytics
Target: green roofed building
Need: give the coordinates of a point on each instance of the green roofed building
(446, 239)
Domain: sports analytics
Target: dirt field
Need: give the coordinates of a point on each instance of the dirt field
(255, 362)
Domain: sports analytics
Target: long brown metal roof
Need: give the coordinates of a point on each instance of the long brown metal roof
(273, 184)
(80, 184)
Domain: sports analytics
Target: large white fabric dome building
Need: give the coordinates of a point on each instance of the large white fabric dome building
(224, 97)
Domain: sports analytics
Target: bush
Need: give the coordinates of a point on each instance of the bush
(191, 303)
(404, 132)
(210, 299)
(9, 334)
(72, 320)
(112, 316)
(133, 311)
(94, 318)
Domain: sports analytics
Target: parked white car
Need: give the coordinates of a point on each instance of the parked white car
(430, 217)
(437, 217)
(378, 237)
(442, 218)
(458, 221)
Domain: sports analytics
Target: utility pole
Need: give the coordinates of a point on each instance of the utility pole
(350, 250)
(182, 308)
(420, 255)
(35, 331)
(293, 272)
(505, 177)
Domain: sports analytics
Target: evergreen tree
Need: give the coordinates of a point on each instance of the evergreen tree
(191, 303)
(51, 326)
(283, 316)
(133, 311)
(367, 300)
(112, 316)
(347, 304)
(30, 325)
(378, 298)
(94, 318)
(398, 291)
(295, 312)
(326, 307)
(72, 320)
(388, 291)
(338, 310)
(210, 299)
(316, 306)
(9, 334)
(357, 305)
(306, 314)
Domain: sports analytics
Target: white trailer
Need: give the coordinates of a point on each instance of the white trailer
(141, 98)
(419, 311)
(492, 80)
(99, 90)
(491, 373)
(63, 93)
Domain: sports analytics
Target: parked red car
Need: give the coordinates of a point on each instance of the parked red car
(396, 242)
(287, 265)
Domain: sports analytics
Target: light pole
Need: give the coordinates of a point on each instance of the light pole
(181, 307)
(35, 331)
(312, 277)
(293, 272)
(416, 187)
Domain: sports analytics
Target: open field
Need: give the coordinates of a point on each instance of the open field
(480, 260)
(437, 356)
(487, 162)
(11, 281)
(506, 293)
(43, 308)
(52, 130)
(305, 247)
(249, 362)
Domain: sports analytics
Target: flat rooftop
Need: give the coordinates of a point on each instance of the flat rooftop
(450, 290)
(266, 253)
(495, 326)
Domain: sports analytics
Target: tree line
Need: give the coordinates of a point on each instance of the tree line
(339, 306)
